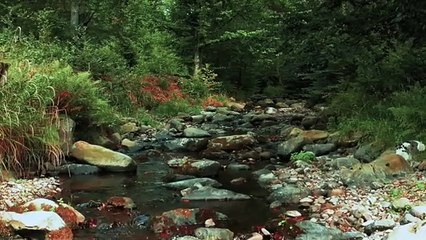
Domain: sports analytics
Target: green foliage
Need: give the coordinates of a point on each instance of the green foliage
(395, 193)
(103, 60)
(274, 91)
(421, 186)
(201, 85)
(34, 97)
(176, 107)
(304, 156)
(145, 118)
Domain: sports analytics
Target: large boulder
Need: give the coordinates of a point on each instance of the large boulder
(320, 148)
(202, 168)
(233, 142)
(286, 148)
(387, 166)
(411, 231)
(102, 157)
(35, 220)
(186, 183)
(368, 152)
(206, 193)
(289, 194)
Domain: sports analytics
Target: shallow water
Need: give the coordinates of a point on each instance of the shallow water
(145, 188)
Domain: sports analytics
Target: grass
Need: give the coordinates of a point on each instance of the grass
(33, 99)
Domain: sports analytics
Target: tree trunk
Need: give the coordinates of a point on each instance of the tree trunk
(75, 5)
(197, 60)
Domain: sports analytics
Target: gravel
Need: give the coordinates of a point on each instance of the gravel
(23, 190)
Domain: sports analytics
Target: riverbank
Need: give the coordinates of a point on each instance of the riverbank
(15, 192)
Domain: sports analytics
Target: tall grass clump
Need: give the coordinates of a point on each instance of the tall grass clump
(33, 99)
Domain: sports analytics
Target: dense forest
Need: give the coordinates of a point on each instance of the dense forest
(91, 59)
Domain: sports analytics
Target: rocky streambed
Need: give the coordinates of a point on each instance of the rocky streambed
(227, 174)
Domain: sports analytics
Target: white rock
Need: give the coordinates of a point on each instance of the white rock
(41, 204)
(419, 211)
(411, 231)
(36, 220)
(293, 213)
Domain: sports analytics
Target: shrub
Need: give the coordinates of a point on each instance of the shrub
(175, 107)
(202, 85)
(304, 156)
(33, 99)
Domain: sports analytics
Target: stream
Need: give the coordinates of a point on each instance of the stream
(146, 189)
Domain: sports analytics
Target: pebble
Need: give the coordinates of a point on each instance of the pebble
(25, 190)
(293, 213)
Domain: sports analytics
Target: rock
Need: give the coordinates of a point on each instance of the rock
(220, 118)
(141, 221)
(171, 220)
(202, 168)
(70, 215)
(35, 220)
(275, 204)
(367, 153)
(211, 109)
(234, 142)
(265, 180)
(176, 124)
(411, 231)
(210, 193)
(74, 169)
(66, 133)
(379, 225)
(128, 143)
(198, 118)
(293, 213)
(289, 194)
(237, 167)
(191, 182)
(401, 203)
(419, 211)
(347, 162)
(290, 146)
(260, 172)
(214, 233)
(259, 118)
(192, 132)
(186, 144)
(320, 148)
(271, 110)
(309, 121)
(309, 136)
(422, 165)
(129, 127)
(387, 166)
(238, 181)
(315, 231)
(187, 238)
(281, 105)
(206, 167)
(408, 218)
(102, 157)
(267, 102)
(121, 202)
(39, 204)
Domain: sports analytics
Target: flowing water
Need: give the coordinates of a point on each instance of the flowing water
(145, 188)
